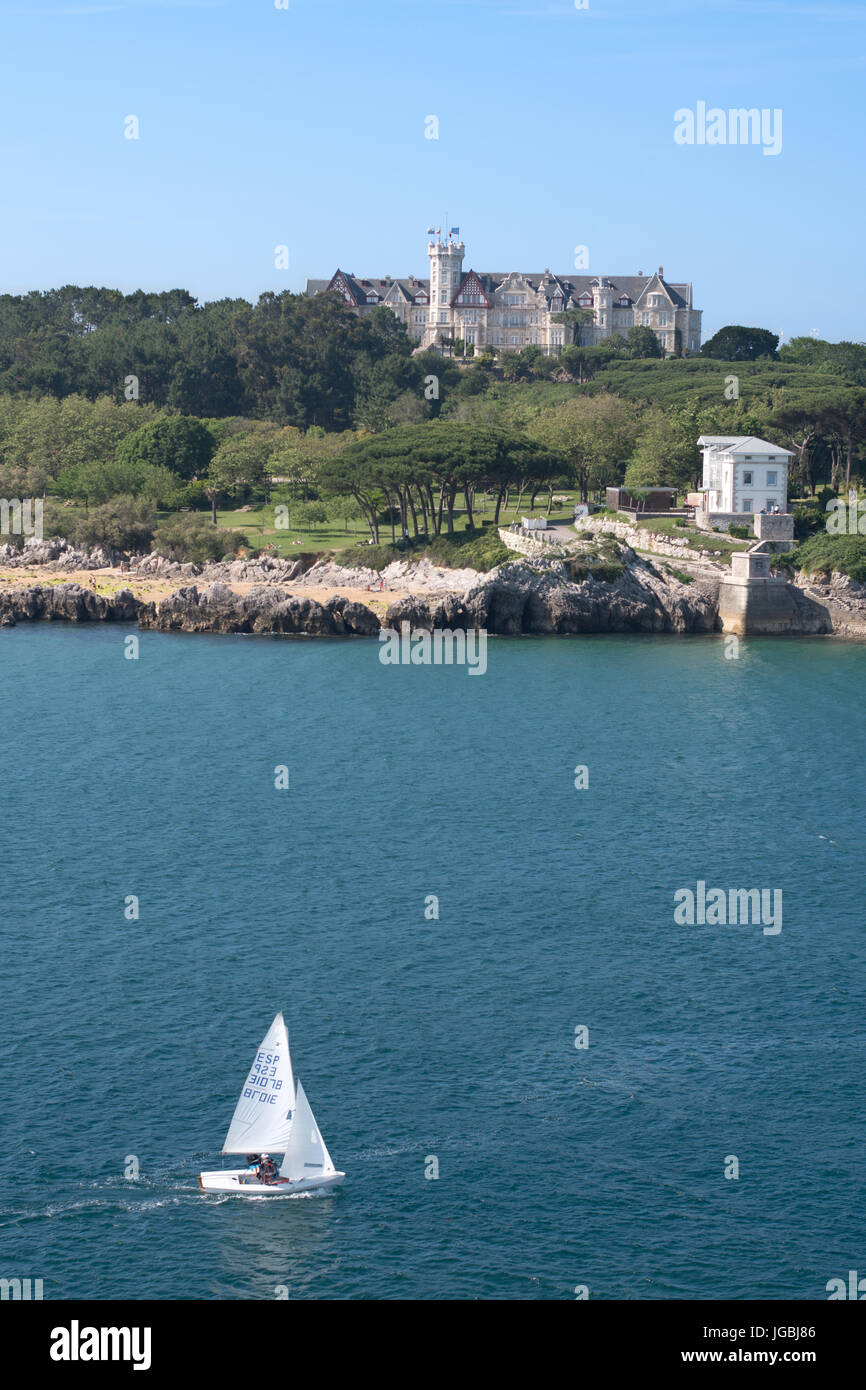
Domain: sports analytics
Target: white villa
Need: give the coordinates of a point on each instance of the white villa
(514, 309)
(743, 475)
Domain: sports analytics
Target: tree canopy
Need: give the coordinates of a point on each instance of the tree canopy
(737, 344)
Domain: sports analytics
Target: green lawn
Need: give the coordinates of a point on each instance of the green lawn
(259, 525)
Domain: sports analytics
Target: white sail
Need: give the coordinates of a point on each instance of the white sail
(306, 1155)
(262, 1121)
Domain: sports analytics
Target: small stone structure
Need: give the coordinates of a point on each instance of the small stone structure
(721, 521)
(754, 606)
(777, 528)
(751, 564)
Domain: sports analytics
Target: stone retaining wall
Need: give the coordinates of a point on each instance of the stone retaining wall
(524, 543)
(638, 539)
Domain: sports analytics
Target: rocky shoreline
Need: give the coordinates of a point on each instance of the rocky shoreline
(554, 596)
(513, 601)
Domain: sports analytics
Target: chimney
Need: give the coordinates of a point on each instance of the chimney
(661, 272)
(640, 272)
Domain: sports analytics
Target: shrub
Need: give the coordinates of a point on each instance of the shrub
(809, 517)
(680, 575)
(472, 550)
(589, 566)
(741, 533)
(191, 539)
(124, 523)
(824, 553)
(609, 573)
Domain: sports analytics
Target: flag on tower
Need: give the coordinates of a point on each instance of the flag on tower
(455, 231)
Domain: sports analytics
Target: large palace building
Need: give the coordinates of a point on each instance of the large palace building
(512, 311)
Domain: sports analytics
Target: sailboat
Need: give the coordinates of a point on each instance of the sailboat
(273, 1116)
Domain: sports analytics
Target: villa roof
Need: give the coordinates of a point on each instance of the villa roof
(361, 286)
(742, 444)
(634, 286)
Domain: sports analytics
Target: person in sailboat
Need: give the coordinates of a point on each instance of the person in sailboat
(253, 1161)
(267, 1169)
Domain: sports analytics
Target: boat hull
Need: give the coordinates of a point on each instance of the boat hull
(239, 1182)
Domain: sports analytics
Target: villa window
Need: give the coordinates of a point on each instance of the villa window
(747, 504)
(771, 480)
(747, 479)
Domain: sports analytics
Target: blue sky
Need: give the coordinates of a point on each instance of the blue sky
(305, 127)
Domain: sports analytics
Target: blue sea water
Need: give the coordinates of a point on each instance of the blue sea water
(418, 1038)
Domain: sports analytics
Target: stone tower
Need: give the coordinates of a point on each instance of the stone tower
(602, 304)
(446, 272)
